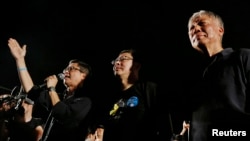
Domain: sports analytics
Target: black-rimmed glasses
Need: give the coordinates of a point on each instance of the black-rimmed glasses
(71, 68)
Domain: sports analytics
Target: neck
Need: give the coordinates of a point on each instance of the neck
(128, 80)
(27, 117)
(212, 52)
(126, 84)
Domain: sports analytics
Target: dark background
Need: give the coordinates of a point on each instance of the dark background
(95, 31)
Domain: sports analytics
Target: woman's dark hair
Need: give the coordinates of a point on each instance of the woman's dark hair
(137, 57)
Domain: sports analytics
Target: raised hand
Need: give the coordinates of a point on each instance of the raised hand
(16, 50)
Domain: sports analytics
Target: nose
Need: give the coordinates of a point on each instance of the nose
(197, 28)
(116, 62)
(194, 30)
(65, 71)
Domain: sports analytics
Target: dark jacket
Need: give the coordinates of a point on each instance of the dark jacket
(69, 114)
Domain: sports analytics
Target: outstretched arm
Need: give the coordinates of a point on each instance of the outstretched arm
(19, 53)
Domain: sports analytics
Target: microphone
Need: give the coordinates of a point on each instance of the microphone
(59, 76)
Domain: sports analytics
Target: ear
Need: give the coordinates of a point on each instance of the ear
(83, 76)
(221, 30)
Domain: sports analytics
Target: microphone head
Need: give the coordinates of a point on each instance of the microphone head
(60, 76)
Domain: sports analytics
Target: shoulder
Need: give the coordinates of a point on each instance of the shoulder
(247, 50)
(84, 99)
(146, 83)
(243, 54)
(240, 53)
(148, 87)
(151, 83)
(243, 51)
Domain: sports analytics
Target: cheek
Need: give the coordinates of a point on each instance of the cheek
(127, 66)
(211, 33)
(190, 36)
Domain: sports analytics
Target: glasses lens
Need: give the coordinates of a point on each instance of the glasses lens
(67, 69)
(71, 68)
(121, 59)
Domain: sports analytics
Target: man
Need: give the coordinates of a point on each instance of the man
(17, 122)
(68, 111)
(22, 125)
(221, 100)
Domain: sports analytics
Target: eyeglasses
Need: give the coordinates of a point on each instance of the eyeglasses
(121, 59)
(71, 68)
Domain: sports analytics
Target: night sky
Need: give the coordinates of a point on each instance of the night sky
(95, 31)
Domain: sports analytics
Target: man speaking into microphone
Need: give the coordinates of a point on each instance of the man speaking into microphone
(66, 112)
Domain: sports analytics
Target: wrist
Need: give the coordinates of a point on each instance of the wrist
(52, 88)
(22, 69)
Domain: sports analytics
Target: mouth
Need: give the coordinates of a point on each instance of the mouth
(197, 38)
(199, 35)
(66, 77)
(117, 68)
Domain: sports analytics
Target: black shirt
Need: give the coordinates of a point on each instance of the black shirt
(221, 100)
(69, 114)
(18, 131)
(132, 117)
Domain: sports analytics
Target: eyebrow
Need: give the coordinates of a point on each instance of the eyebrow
(125, 56)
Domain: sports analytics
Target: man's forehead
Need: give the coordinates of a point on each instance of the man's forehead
(200, 17)
(125, 54)
(73, 64)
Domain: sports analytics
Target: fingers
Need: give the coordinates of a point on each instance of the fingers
(51, 81)
(13, 43)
